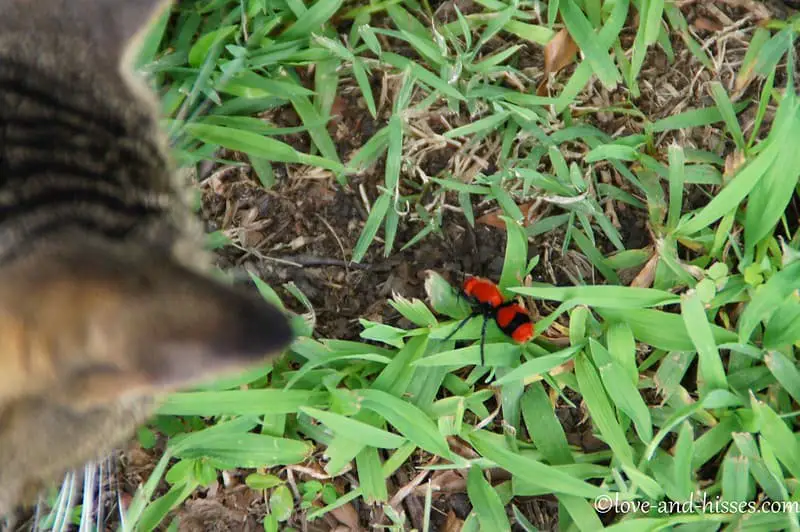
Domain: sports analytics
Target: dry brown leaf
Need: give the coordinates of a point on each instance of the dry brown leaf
(644, 279)
(733, 162)
(443, 481)
(493, 219)
(755, 7)
(458, 446)
(706, 24)
(453, 523)
(298, 243)
(744, 77)
(559, 52)
(697, 247)
(339, 106)
(541, 88)
(566, 367)
(347, 515)
(449, 481)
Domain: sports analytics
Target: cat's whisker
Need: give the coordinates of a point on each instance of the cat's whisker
(91, 496)
(64, 503)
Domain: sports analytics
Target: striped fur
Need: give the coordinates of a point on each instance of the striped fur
(104, 303)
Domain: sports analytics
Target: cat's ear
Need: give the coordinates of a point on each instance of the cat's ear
(113, 25)
(109, 26)
(98, 325)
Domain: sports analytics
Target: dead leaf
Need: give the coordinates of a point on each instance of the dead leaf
(339, 106)
(541, 88)
(347, 515)
(449, 481)
(566, 367)
(559, 52)
(733, 162)
(458, 446)
(444, 481)
(297, 243)
(745, 76)
(250, 239)
(493, 219)
(453, 523)
(706, 24)
(693, 245)
(644, 279)
(760, 11)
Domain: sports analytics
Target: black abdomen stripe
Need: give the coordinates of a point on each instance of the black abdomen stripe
(519, 319)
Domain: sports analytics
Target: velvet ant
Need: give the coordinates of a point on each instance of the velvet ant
(488, 301)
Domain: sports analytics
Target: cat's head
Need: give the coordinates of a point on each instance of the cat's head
(91, 335)
(87, 321)
(92, 328)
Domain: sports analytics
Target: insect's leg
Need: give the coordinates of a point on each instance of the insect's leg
(483, 338)
(460, 326)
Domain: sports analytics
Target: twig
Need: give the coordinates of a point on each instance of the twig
(310, 261)
(338, 241)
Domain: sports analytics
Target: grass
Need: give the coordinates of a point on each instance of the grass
(687, 373)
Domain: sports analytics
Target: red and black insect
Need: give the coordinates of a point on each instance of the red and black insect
(488, 301)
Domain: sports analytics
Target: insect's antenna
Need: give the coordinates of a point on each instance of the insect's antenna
(483, 338)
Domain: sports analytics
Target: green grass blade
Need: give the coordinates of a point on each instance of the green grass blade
(683, 477)
(240, 402)
(779, 437)
(424, 75)
(767, 299)
(622, 347)
(728, 113)
(730, 196)
(771, 195)
(544, 427)
(785, 372)
(623, 393)
(532, 471)
(370, 476)
(677, 180)
(257, 145)
(610, 297)
(367, 434)
(486, 502)
(311, 21)
(582, 32)
(603, 416)
(379, 209)
(538, 366)
(409, 420)
(711, 372)
(661, 329)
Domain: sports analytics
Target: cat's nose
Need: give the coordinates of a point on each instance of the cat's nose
(257, 328)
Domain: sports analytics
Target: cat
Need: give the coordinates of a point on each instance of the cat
(105, 300)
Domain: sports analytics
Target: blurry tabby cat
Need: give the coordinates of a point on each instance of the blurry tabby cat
(103, 301)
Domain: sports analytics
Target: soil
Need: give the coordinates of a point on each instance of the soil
(303, 232)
